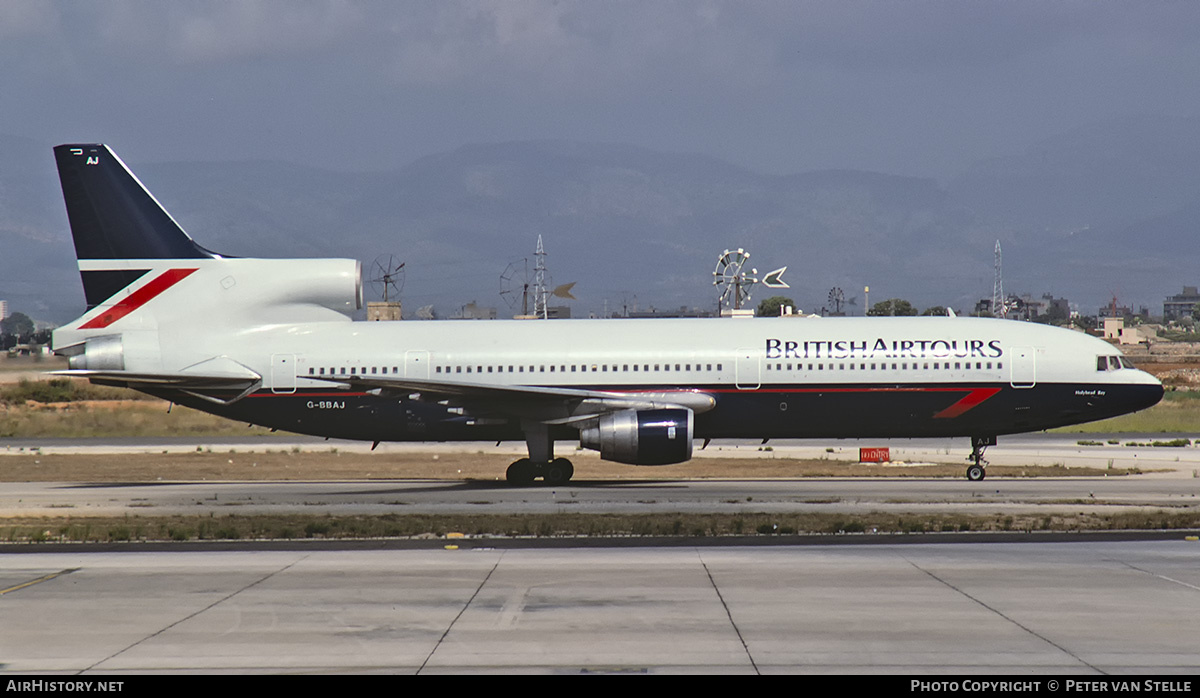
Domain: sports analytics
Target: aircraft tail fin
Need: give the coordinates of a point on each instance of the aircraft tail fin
(114, 217)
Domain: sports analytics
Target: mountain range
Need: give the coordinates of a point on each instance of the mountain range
(1106, 210)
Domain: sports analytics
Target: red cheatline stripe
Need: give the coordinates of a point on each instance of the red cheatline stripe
(971, 400)
(138, 298)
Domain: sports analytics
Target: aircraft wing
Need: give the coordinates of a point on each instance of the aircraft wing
(543, 404)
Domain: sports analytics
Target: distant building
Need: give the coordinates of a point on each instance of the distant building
(1180, 305)
(1115, 330)
(474, 311)
(1026, 307)
(1112, 310)
(3, 309)
(384, 311)
(682, 311)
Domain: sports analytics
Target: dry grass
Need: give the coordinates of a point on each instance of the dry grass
(283, 465)
(113, 418)
(284, 527)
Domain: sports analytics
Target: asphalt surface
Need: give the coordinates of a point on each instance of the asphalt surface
(1083, 609)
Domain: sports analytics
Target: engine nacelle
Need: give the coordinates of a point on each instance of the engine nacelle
(641, 437)
(104, 353)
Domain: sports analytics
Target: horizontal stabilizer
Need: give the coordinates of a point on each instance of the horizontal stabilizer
(211, 387)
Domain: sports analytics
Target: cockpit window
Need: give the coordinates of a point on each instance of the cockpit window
(1112, 363)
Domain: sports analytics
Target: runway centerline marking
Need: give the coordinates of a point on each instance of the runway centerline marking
(39, 580)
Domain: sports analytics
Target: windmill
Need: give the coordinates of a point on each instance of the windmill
(736, 284)
(837, 299)
(387, 280)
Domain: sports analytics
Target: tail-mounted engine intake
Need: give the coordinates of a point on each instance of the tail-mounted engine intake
(641, 437)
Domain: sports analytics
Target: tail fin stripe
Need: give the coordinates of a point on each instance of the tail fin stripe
(138, 298)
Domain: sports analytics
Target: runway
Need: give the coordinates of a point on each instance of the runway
(817, 495)
(866, 605)
(1043, 448)
(1071, 608)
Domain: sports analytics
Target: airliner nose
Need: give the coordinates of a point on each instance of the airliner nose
(1149, 390)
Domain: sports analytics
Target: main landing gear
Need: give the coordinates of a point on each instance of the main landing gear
(978, 468)
(525, 471)
(541, 461)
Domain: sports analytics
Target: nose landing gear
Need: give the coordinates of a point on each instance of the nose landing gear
(978, 468)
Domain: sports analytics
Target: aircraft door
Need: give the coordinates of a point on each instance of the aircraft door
(283, 373)
(748, 369)
(1023, 364)
(416, 364)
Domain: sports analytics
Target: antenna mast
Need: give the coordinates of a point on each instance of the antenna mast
(539, 282)
(999, 308)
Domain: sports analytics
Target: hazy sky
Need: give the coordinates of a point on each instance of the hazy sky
(919, 88)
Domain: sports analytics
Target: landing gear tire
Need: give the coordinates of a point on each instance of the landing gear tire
(521, 473)
(558, 471)
(976, 473)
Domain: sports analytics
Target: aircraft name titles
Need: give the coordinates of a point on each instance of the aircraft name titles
(882, 349)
